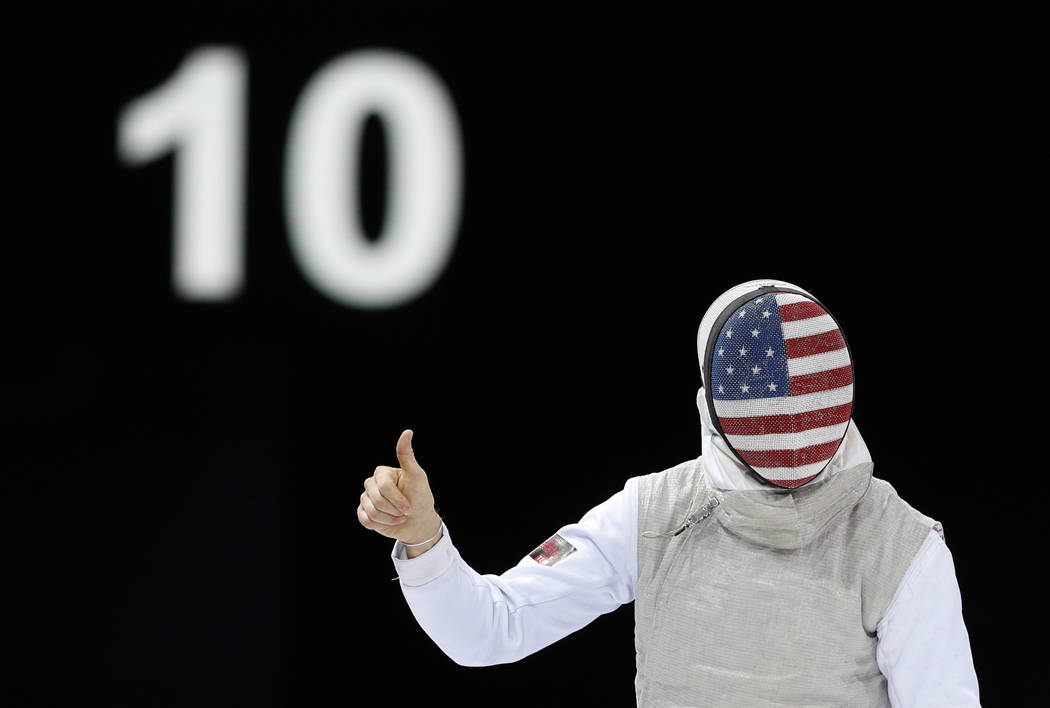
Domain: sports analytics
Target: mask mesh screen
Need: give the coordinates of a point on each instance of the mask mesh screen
(782, 386)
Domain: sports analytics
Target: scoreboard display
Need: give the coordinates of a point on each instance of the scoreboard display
(252, 245)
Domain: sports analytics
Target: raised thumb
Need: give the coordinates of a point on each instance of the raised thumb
(405, 456)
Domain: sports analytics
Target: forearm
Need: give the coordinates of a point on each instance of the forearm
(480, 620)
(473, 618)
(465, 614)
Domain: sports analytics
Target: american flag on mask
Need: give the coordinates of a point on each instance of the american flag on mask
(782, 386)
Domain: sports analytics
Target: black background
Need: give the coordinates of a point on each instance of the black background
(183, 477)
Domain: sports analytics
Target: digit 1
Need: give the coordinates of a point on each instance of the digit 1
(199, 114)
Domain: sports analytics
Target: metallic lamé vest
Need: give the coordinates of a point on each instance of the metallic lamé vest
(772, 598)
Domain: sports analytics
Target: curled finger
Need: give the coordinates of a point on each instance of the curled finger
(385, 495)
(379, 516)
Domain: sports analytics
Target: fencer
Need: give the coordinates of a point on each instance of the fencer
(772, 570)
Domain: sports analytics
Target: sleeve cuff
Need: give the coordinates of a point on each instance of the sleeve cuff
(413, 572)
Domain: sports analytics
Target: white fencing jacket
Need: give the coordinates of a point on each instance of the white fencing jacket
(477, 620)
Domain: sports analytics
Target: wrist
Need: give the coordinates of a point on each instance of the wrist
(414, 547)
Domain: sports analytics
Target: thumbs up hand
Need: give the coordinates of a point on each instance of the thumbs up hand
(397, 501)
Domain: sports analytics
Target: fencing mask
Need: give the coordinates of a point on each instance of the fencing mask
(778, 379)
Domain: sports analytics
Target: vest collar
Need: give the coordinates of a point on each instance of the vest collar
(791, 521)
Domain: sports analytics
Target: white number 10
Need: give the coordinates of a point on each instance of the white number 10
(199, 114)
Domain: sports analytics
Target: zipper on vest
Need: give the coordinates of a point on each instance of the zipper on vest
(698, 516)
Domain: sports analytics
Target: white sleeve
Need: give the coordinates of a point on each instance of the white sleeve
(924, 649)
(479, 620)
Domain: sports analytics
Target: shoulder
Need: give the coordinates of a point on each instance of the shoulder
(680, 471)
(667, 494)
(885, 506)
(889, 534)
(680, 477)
